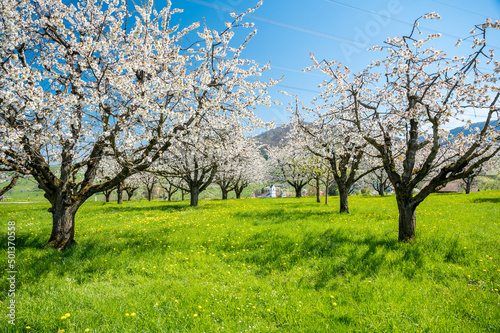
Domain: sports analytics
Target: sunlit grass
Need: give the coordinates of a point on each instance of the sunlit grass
(284, 265)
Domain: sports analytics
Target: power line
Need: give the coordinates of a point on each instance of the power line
(395, 19)
(280, 24)
(462, 9)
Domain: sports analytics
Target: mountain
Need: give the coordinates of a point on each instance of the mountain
(466, 132)
(274, 136)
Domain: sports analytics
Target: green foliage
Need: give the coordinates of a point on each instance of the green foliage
(279, 265)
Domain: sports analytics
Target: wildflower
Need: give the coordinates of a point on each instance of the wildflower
(126, 315)
(334, 304)
(27, 327)
(63, 317)
(268, 310)
(199, 306)
(195, 315)
(87, 330)
(67, 315)
(132, 314)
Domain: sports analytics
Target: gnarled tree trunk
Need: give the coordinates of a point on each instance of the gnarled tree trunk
(344, 199)
(407, 222)
(63, 211)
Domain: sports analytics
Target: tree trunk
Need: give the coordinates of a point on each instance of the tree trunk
(195, 193)
(150, 194)
(169, 196)
(326, 194)
(107, 194)
(318, 199)
(183, 194)
(224, 193)
(407, 222)
(298, 191)
(238, 193)
(344, 200)
(130, 194)
(119, 193)
(63, 221)
(380, 189)
(468, 185)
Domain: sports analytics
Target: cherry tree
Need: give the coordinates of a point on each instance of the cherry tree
(195, 162)
(332, 138)
(378, 180)
(170, 184)
(244, 167)
(417, 90)
(149, 180)
(292, 165)
(131, 184)
(80, 81)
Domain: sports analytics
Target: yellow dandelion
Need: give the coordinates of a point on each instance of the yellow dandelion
(126, 315)
(62, 330)
(67, 315)
(87, 330)
(27, 327)
(156, 304)
(268, 310)
(195, 315)
(132, 314)
(63, 317)
(334, 304)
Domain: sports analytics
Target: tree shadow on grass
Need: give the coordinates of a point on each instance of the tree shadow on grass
(164, 207)
(276, 215)
(333, 253)
(486, 200)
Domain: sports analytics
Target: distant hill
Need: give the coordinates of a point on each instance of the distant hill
(274, 136)
(466, 132)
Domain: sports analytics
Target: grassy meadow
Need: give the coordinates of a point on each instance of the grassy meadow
(258, 265)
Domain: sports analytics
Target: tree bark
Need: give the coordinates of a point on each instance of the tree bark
(107, 194)
(224, 193)
(238, 193)
(344, 200)
(10, 186)
(298, 191)
(318, 199)
(195, 193)
(63, 219)
(407, 222)
(119, 193)
(326, 194)
(183, 195)
(150, 194)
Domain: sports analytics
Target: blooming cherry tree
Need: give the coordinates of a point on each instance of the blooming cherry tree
(78, 81)
(330, 136)
(417, 90)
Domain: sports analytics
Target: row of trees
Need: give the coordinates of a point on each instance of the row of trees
(96, 81)
(393, 115)
(94, 94)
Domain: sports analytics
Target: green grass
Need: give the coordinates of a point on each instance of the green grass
(268, 265)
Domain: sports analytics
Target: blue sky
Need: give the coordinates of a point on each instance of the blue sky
(289, 30)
